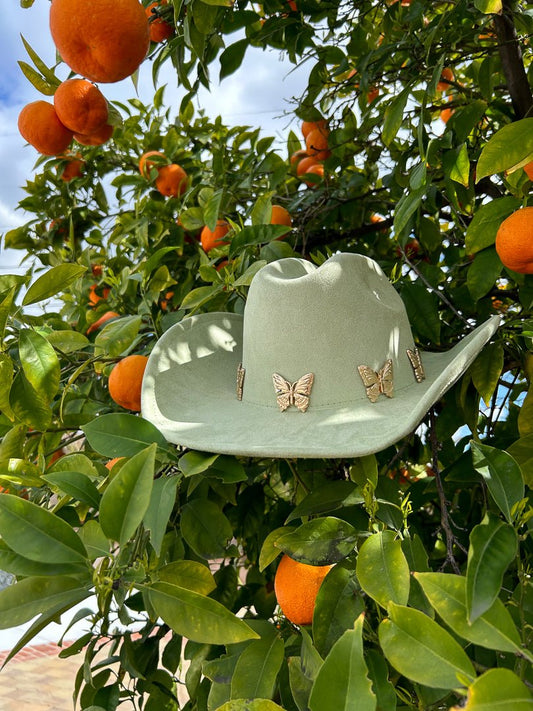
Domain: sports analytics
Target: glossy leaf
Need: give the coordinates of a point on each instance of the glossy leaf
(75, 484)
(422, 650)
(497, 689)
(94, 539)
(67, 341)
(493, 545)
(256, 234)
(40, 363)
(121, 434)
(196, 617)
(52, 282)
(35, 533)
(338, 604)
(194, 462)
(483, 272)
(382, 569)
(188, 574)
(116, 337)
(344, 676)
(320, 541)
(257, 669)
(508, 147)
(393, 116)
(26, 403)
(269, 550)
(329, 497)
(159, 509)
(494, 629)
(501, 474)
(205, 528)
(486, 370)
(250, 705)
(481, 232)
(378, 671)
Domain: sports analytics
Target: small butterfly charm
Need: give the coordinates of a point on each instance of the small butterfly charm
(416, 362)
(240, 380)
(296, 394)
(377, 383)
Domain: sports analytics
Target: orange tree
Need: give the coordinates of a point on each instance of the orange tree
(172, 552)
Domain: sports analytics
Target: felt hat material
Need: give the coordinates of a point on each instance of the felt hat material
(321, 364)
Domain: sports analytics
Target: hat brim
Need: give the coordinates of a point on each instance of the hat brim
(189, 394)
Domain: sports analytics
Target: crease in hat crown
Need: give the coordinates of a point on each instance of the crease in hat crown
(327, 321)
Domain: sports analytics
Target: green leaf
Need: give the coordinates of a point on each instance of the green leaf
(344, 676)
(256, 234)
(522, 452)
(320, 541)
(508, 147)
(159, 509)
(407, 205)
(489, 7)
(232, 57)
(29, 597)
(126, 499)
(27, 405)
(338, 604)
(67, 341)
(493, 546)
(5, 309)
(498, 689)
(382, 569)
(196, 617)
(486, 370)
(269, 551)
(393, 116)
(47, 73)
(525, 416)
(494, 629)
(94, 539)
(456, 163)
(188, 574)
(257, 669)
(6, 380)
(422, 309)
(117, 336)
(483, 272)
(325, 498)
(205, 528)
(75, 484)
(121, 435)
(212, 208)
(364, 469)
(481, 232)
(33, 76)
(40, 363)
(422, 650)
(378, 671)
(250, 705)
(501, 474)
(35, 533)
(194, 462)
(54, 281)
(16, 564)
(197, 297)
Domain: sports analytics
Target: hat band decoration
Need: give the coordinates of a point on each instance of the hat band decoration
(416, 363)
(241, 372)
(377, 383)
(297, 393)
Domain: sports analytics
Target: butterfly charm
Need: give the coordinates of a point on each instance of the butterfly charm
(377, 383)
(240, 380)
(296, 394)
(416, 362)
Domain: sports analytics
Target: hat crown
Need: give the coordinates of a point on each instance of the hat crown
(326, 320)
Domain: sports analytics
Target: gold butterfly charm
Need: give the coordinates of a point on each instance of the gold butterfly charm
(416, 362)
(240, 380)
(377, 383)
(296, 394)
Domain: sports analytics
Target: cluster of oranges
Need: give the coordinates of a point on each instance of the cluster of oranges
(309, 161)
(103, 42)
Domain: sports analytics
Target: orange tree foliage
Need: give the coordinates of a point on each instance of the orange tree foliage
(429, 601)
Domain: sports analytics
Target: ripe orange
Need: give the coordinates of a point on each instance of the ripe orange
(97, 138)
(73, 168)
(317, 169)
(214, 238)
(40, 126)
(125, 381)
(514, 241)
(446, 114)
(446, 77)
(80, 106)
(308, 126)
(111, 463)
(171, 180)
(529, 170)
(372, 94)
(304, 165)
(145, 165)
(101, 40)
(280, 216)
(102, 320)
(297, 156)
(94, 298)
(160, 29)
(296, 586)
(316, 142)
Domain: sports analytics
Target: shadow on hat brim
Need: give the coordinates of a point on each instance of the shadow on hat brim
(189, 394)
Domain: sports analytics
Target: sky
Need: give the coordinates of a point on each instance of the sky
(258, 94)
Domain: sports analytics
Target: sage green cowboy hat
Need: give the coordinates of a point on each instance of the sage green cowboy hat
(321, 364)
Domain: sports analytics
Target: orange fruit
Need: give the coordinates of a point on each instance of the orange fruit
(317, 169)
(297, 156)
(446, 114)
(73, 168)
(296, 586)
(280, 216)
(94, 298)
(171, 180)
(80, 106)
(308, 126)
(214, 238)
(304, 165)
(125, 381)
(160, 29)
(529, 170)
(145, 165)
(101, 321)
(316, 142)
(445, 78)
(101, 40)
(111, 463)
(97, 138)
(40, 126)
(514, 241)
(372, 94)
